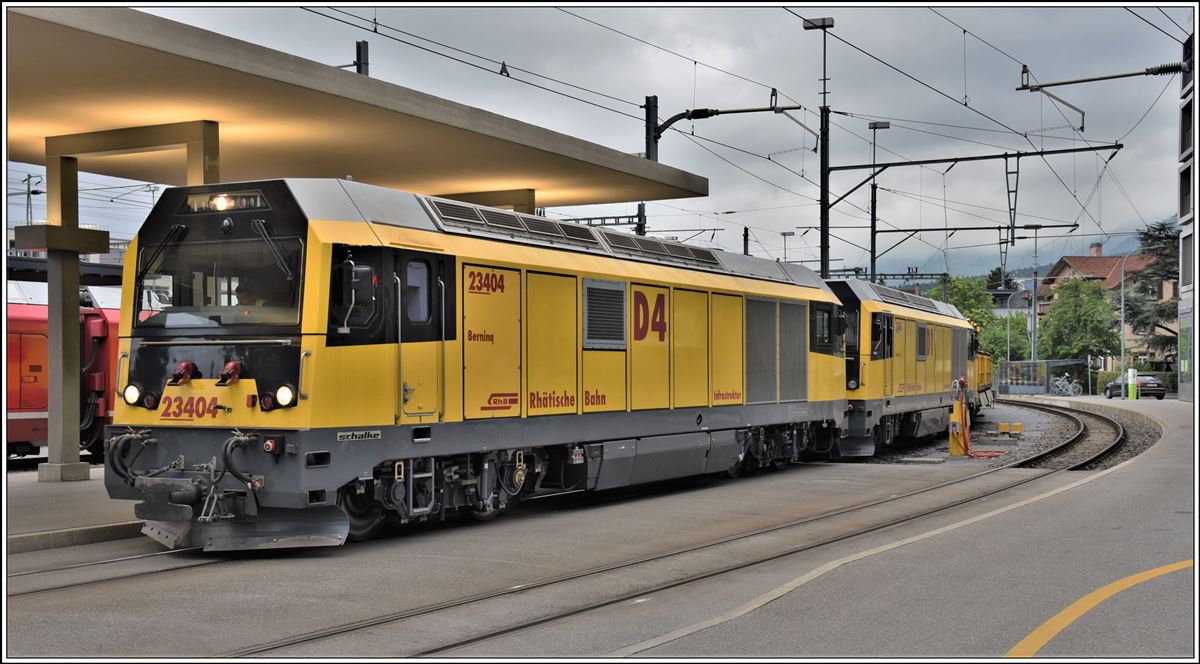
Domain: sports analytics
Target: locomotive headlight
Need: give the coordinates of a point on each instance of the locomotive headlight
(852, 385)
(285, 395)
(132, 394)
(221, 203)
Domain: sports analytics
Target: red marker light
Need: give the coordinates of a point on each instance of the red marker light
(183, 373)
(230, 374)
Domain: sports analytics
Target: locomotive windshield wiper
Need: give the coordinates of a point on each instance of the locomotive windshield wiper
(176, 233)
(260, 227)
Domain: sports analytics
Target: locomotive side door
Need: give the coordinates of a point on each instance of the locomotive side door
(882, 348)
(423, 282)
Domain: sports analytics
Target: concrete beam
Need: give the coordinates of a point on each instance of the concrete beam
(519, 200)
(61, 238)
(64, 241)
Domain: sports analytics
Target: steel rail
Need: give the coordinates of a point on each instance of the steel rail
(520, 588)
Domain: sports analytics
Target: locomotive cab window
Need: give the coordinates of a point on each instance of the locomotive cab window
(356, 298)
(881, 336)
(219, 284)
(826, 330)
(417, 291)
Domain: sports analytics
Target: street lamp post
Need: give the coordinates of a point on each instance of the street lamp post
(874, 126)
(823, 24)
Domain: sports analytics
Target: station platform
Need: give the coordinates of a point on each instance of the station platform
(47, 515)
(1101, 565)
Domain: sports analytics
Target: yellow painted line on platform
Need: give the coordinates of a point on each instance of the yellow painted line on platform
(1038, 638)
(788, 587)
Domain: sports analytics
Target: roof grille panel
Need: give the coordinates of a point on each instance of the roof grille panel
(704, 255)
(457, 212)
(678, 250)
(904, 299)
(652, 246)
(621, 241)
(542, 226)
(502, 219)
(577, 232)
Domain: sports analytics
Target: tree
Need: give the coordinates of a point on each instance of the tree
(995, 337)
(1144, 312)
(970, 296)
(1080, 322)
(993, 280)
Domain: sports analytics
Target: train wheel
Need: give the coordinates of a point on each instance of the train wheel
(364, 512)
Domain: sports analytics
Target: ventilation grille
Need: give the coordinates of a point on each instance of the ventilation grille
(622, 241)
(905, 299)
(502, 222)
(577, 232)
(704, 255)
(502, 219)
(604, 315)
(659, 250)
(542, 226)
(651, 246)
(456, 212)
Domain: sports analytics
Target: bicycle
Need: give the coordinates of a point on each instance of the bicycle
(1064, 386)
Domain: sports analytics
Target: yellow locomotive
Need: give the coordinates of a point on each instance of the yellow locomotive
(907, 356)
(336, 355)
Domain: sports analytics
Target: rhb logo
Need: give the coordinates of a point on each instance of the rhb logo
(501, 401)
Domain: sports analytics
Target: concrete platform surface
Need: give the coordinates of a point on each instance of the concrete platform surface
(42, 515)
(972, 581)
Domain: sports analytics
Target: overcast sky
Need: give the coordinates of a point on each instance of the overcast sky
(768, 46)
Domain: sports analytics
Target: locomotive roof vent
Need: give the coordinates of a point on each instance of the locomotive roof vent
(906, 299)
(661, 250)
(457, 217)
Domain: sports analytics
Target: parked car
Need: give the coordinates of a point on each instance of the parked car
(1148, 386)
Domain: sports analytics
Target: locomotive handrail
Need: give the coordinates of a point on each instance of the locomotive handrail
(300, 380)
(442, 372)
(120, 359)
(399, 348)
(218, 342)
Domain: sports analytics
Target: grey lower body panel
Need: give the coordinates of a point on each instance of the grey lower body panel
(927, 413)
(296, 504)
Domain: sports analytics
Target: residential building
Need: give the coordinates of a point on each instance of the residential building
(1107, 270)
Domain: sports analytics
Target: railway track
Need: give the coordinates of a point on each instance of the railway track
(1054, 460)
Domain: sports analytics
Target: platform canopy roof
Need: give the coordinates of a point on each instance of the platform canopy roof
(73, 70)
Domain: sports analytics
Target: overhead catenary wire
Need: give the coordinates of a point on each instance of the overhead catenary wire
(461, 61)
(1164, 13)
(1154, 26)
(480, 67)
(676, 54)
(956, 102)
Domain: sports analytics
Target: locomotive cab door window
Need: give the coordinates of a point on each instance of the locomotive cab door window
(852, 348)
(826, 330)
(421, 282)
(882, 347)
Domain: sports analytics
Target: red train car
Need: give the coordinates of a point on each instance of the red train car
(28, 370)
